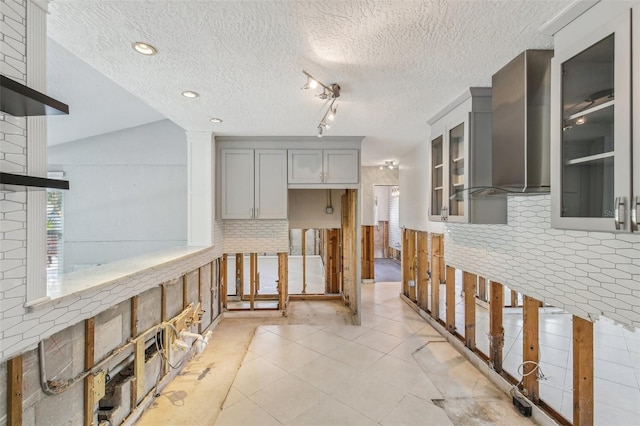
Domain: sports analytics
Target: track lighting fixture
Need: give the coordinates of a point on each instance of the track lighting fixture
(388, 164)
(329, 92)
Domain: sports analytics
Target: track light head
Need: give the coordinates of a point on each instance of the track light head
(320, 130)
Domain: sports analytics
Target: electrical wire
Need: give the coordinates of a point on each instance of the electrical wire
(162, 350)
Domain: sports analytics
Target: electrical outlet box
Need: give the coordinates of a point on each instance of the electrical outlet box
(99, 384)
(329, 210)
(412, 283)
(522, 405)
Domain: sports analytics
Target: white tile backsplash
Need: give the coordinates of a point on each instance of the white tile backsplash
(584, 273)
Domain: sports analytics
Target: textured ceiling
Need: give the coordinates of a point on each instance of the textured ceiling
(398, 62)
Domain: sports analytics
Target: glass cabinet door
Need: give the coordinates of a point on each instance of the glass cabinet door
(456, 170)
(591, 134)
(437, 176)
(588, 106)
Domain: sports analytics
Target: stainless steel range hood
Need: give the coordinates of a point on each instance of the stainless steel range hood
(520, 114)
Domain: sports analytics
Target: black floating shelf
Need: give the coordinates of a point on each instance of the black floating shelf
(22, 101)
(33, 181)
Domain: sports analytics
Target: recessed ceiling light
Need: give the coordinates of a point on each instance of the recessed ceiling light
(190, 94)
(216, 120)
(144, 48)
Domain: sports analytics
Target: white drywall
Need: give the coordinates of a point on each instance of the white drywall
(307, 208)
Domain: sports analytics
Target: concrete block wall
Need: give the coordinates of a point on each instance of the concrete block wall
(585, 273)
(13, 159)
(256, 236)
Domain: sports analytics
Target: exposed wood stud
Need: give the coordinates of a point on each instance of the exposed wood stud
(349, 248)
(133, 394)
(240, 275)
(89, 359)
(368, 254)
(134, 316)
(514, 298)
(200, 299)
(282, 281)
(496, 331)
(406, 274)
(451, 299)
(423, 269)
(530, 347)
(185, 292)
(14, 391)
(469, 282)
(304, 261)
(137, 383)
(482, 289)
(436, 278)
(582, 372)
(441, 252)
(223, 282)
(332, 253)
(252, 280)
(411, 257)
(163, 302)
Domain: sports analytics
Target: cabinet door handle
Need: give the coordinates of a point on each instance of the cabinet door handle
(257, 213)
(251, 217)
(619, 204)
(634, 214)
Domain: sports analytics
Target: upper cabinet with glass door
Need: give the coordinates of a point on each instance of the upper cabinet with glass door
(461, 161)
(591, 122)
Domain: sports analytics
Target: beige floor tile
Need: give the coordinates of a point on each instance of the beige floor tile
(403, 375)
(412, 411)
(348, 332)
(292, 332)
(292, 356)
(371, 397)
(287, 398)
(257, 374)
(267, 342)
(245, 413)
(329, 412)
(379, 341)
(395, 328)
(322, 341)
(325, 373)
(355, 355)
(233, 397)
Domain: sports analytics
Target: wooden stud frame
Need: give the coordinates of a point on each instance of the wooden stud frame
(406, 273)
(223, 282)
(368, 254)
(423, 269)
(14, 391)
(411, 258)
(530, 348)
(582, 372)
(496, 331)
(436, 278)
(252, 280)
(89, 359)
(451, 299)
(469, 282)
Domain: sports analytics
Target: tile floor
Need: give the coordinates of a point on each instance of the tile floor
(393, 370)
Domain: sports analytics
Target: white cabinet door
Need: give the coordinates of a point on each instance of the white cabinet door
(237, 180)
(341, 166)
(305, 166)
(271, 184)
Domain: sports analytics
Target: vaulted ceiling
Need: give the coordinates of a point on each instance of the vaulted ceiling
(398, 62)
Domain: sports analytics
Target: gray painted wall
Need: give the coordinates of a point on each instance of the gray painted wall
(128, 193)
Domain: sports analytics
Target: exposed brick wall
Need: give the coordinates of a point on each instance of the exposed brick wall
(584, 273)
